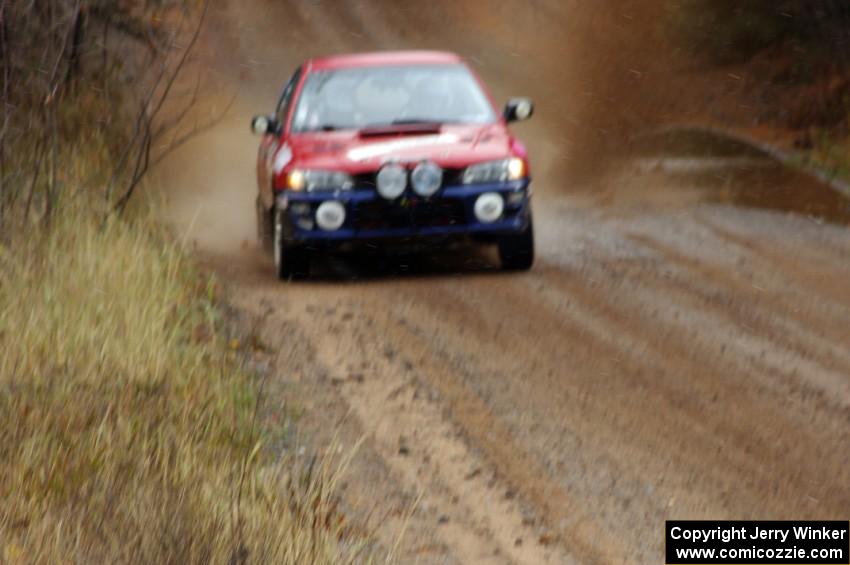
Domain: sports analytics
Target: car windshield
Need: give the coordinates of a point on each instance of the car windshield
(359, 98)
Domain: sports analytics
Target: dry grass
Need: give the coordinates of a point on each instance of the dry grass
(832, 153)
(129, 430)
(123, 436)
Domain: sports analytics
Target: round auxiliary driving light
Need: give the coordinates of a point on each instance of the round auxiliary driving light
(330, 215)
(426, 179)
(489, 207)
(391, 181)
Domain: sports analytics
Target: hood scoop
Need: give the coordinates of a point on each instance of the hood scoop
(400, 129)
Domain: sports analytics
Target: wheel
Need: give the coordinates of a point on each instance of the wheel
(290, 261)
(265, 227)
(516, 251)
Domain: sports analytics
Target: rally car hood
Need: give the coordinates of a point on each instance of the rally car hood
(450, 146)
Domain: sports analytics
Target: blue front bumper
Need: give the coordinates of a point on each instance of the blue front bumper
(370, 217)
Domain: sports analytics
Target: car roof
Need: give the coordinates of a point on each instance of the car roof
(383, 59)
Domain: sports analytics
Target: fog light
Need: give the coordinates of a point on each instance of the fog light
(489, 207)
(330, 215)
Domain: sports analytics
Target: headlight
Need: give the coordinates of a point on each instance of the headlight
(495, 171)
(319, 180)
(426, 179)
(391, 181)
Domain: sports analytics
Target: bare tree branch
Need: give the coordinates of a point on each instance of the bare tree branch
(129, 26)
(143, 161)
(4, 59)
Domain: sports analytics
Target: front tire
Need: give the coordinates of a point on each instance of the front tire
(291, 261)
(516, 251)
(265, 227)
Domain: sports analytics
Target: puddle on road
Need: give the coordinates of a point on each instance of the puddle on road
(696, 167)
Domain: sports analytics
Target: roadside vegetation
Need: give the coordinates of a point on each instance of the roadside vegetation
(130, 429)
(796, 54)
(736, 30)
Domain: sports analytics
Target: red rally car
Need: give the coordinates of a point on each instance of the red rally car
(376, 147)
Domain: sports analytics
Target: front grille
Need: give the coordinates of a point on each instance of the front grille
(380, 215)
(453, 177)
(365, 180)
(440, 212)
(377, 215)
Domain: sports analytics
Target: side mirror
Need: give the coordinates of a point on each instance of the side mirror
(519, 109)
(264, 125)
